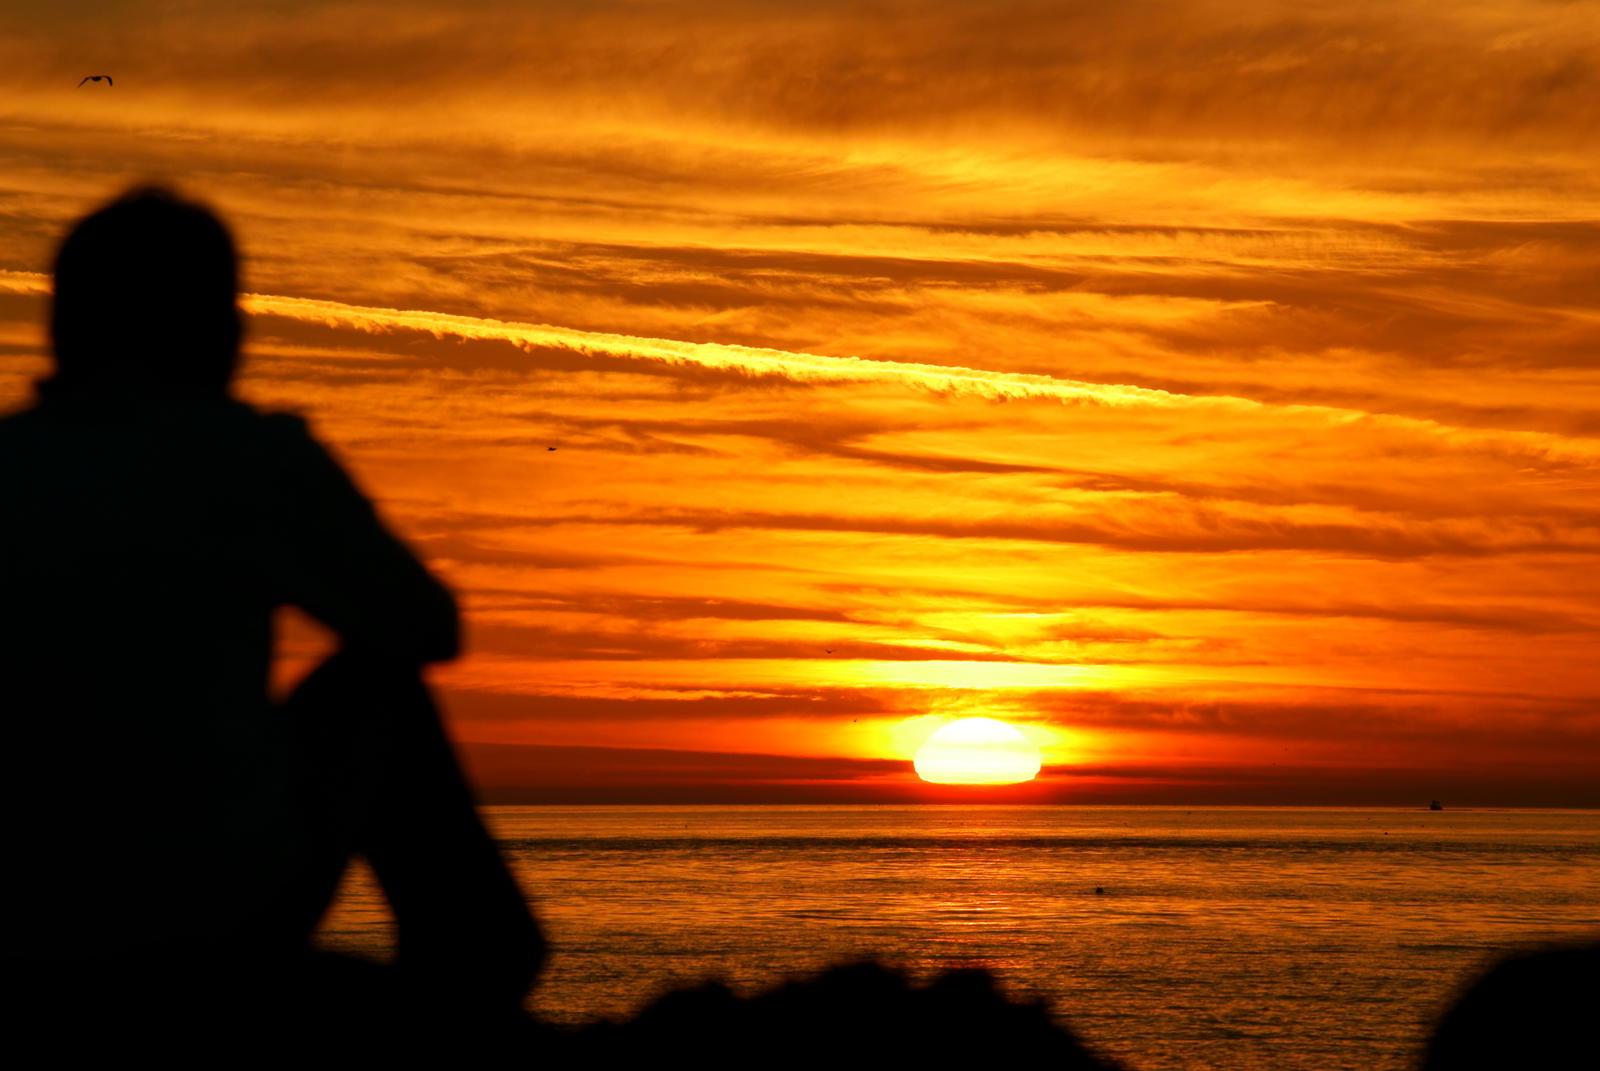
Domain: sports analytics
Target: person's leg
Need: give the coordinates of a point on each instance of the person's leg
(381, 780)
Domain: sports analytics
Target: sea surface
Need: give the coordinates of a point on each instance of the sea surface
(1237, 938)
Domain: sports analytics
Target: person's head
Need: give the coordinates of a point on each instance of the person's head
(146, 298)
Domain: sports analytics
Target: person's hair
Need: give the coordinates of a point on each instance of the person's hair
(146, 294)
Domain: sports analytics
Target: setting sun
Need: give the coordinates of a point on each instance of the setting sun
(977, 751)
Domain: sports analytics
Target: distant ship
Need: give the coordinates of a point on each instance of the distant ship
(1435, 805)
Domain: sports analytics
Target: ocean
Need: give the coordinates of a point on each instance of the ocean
(1229, 938)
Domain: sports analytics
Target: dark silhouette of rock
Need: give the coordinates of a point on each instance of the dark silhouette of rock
(1533, 1011)
(855, 1015)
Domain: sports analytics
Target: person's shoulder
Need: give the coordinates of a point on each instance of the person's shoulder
(228, 427)
(267, 427)
(275, 443)
(283, 424)
(288, 441)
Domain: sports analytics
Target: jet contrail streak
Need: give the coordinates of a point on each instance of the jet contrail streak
(821, 368)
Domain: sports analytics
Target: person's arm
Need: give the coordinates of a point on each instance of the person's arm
(346, 569)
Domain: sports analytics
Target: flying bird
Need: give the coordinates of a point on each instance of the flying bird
(95, 78)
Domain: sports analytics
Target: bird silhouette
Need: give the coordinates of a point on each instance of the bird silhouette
(95, 78)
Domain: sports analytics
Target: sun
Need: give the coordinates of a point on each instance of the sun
(977, 751)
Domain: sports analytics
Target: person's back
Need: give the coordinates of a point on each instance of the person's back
(156, 802)
(134, 640)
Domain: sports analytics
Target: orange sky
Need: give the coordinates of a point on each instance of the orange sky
(1208, 388)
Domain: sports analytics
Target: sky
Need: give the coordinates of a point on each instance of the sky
(1209, 389)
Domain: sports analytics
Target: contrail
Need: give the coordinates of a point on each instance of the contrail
(751, 360)
(821, 368)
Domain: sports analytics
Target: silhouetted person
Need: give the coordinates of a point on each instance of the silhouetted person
(157, 809)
